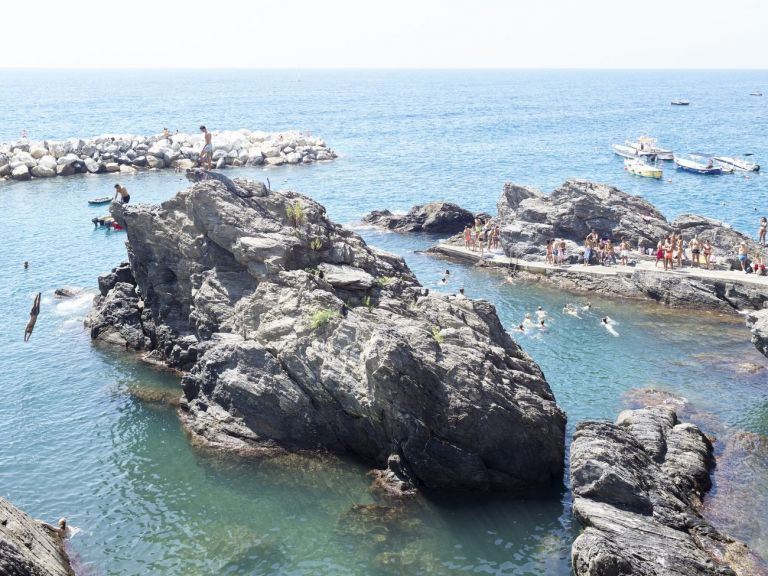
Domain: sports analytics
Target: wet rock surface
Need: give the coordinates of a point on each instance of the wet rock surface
(758, 325)
(27, 548)
(637, 486)
(435, 217)
(296, 335)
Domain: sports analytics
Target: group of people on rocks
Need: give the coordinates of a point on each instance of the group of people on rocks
(481, 236)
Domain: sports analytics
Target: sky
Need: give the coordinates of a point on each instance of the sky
(389, 34)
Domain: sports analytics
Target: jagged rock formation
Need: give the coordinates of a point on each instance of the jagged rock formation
(757, 322)
(298, 336)
(637, 485)
(25, 159)
(529, 218)
(27, 548)
(435, 217)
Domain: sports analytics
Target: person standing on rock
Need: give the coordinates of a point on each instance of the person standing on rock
(695, 252)
(206, 154)
(32, 318)
(467, 237)
(761, 231)
(668, 250)
(550, 258)
(587, 250)
(707, 254)
(122, 191)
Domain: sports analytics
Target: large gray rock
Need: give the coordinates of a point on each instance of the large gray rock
(758, 324)
(21, 173)
(435, 217)
(43, 172)
(297, 335)
(27, 548)
(637, 485)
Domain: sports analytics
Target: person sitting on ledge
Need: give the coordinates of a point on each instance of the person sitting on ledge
(758, 264)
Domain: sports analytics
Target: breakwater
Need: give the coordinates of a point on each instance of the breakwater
(27, 159)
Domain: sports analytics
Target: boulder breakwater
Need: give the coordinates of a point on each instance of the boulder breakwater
(27, 159)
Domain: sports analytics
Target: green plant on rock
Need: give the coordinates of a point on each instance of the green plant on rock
(439, 338)
(316, 244)
(311, 270)
(295, 213)
(322, 317)
(384, 281)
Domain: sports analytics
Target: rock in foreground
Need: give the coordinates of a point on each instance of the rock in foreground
(27, 548)
(299, 336)
(435, 217)
(637, 485)
(758, 324)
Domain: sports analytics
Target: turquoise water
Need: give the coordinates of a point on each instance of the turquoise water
(86, 432)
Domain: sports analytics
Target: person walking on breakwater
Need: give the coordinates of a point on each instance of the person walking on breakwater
(761, 231)
(122, 191)
(32, 318)
(206, 154)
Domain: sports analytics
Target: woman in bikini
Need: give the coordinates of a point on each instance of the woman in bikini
(659, 253)
(707, 254)
(668, 249)
(761, 230)
(561, 252)
(680, 251)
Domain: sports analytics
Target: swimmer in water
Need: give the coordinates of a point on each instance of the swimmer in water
(443, 281)
(570, 309)
(587, 307)
(607, 323)
(541, 314)
(528, 322)
(26, 264)
(542, 325)
(521, 328)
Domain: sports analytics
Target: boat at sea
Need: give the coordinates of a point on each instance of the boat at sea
(100, 201)
(756, 93)
(625, 151)
(642, 168)
(693, 163)
(680, 102)
(647, 146)
(735, 163)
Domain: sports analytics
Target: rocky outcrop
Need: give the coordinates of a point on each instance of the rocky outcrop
(122, 153)
(296, 335)
(435, 217)
(529, 218)
(27, 547)
(637, 485)
(757, 322)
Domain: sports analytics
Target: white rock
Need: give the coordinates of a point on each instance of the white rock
(270, 152)
(155, 162)
(275, 161)
(21, 173)
(125, 169)
(24, 158)
(112, 167)
(65, 169)
(221, 163)
(47, 161)
(5, 170)
(59, 149)
(183, 163)
(91, 165)
(37, 150)
(43, 172)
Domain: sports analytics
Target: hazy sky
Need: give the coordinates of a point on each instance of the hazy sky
(389, 34)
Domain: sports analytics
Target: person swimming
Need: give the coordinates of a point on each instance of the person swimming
(608, 323)
(443, 281)
(541, 313)
(528, 321)
(571, 310)
(521, 328)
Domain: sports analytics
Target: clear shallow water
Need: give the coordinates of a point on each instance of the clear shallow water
(77, 438)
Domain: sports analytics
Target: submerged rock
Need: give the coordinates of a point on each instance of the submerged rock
(637, 486)
(435, 217)
(27, 547)
(297, 335)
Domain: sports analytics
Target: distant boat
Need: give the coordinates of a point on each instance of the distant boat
(625, 151)
(756, 93)
(98, 201)
(646, 146)
(641, 168)
(738, 163)
(680, 102)
(693, 164)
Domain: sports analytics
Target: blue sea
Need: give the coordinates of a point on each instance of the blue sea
(84, 430)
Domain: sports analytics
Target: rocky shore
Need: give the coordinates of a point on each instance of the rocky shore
(295, 335)
(757, 322)
(435, 217)
(27, 159)
(637, 487)
(29, 548)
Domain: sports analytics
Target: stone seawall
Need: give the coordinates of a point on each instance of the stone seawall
(27, 159)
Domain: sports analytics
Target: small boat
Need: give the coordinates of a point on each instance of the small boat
(680, 102)
(756, 93)
(641, 168)
(99, 201)
(738, 163)
(693, 164)
(709, 159)
(646, 146)
(625, 151)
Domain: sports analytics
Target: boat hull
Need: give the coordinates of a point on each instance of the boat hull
(99, 201)
(695, 168)
(737, 164)
(639, 168)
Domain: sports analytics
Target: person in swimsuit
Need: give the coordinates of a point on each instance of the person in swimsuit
(467, 237)
(32, 318)
(624, 251)
(561, 252)
(761, 230)
(495, 237)
(550, 259)
(680, 251)
(122, 191)
(743, 256)
(659, 253)
(695, 251)
(206, 154)
(60, 529)
(610, 252)
(707, 254)
(587, 251)
(668, 249)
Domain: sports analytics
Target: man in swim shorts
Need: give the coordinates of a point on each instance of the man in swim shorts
(32, 318)
(123, 192)
(206, 154)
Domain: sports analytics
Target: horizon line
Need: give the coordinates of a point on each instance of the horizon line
(385, 69)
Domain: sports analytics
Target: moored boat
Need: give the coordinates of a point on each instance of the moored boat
(680, 102)
(756, 93)
(625, 151)
(691, 163)
(641, 168)
(647, 146)
(99, 201)
(738, 163)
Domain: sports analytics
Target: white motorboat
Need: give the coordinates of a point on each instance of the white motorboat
(756, 93)
(625, 151)
(642, 168)
(738, 163)
(680, 102)
(646, 146)
(693, 163)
